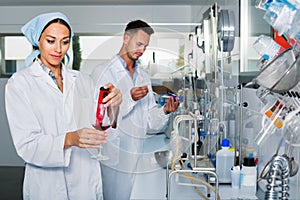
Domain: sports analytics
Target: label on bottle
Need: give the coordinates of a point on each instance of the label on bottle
(248, 182)
(248, 179)
(248, 176)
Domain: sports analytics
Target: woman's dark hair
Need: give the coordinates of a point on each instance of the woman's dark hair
(133, 26)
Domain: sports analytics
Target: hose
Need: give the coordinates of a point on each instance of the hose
(192, 179)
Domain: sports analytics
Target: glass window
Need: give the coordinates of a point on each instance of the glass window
(16, 49)
(249, 32)
(163, 50)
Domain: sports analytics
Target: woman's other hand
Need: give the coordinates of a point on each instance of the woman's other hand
(85, 138)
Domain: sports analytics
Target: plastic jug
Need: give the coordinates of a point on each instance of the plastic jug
(248, 178)
(224, 162)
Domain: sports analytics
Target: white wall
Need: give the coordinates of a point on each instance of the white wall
(99, 19)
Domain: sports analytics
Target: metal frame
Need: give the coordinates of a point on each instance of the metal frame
(169, 176)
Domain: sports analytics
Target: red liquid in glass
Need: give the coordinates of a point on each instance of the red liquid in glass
(104, 126)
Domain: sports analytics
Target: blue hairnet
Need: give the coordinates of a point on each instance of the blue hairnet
(33, 30)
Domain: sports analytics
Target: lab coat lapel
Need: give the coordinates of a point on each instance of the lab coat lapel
(69, 79)
(38, 72)
(68, 75)
(121, 74)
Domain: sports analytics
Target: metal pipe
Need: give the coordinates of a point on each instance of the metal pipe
(239, 130)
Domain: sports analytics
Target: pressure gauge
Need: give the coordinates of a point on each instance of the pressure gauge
(226, 30)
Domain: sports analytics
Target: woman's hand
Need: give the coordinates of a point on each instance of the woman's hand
(85, 138)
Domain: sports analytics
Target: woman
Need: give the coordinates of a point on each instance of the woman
(40, 110)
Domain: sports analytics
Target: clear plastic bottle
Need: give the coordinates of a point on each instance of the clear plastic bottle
(280, 15)
(261, 4)
(224, 162)
(295, 27)
(267, 47)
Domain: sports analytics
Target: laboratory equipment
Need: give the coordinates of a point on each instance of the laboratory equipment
(231, 126)
(261, 4)
(265, 171)
(163, 158)
(274, 172)
(226, 30)
(279, 80)
(195, 163)
(266, 46)
(281, 74)
(235, 177)
(280, 15)
(278, 176)
(201, 124)
(272, 119)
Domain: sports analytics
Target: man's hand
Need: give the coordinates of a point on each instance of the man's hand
(138, 93)
(171, 105)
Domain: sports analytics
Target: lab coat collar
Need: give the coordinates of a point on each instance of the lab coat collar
(69, 75)
(124, 63)
(119, 67)
(123, 68)
(37, 70)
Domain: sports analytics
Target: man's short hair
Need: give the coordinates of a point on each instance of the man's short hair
(133, 26)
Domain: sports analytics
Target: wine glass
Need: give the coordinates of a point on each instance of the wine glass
(104, 119)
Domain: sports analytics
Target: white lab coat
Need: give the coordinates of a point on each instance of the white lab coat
(39, 117)
(136, 118)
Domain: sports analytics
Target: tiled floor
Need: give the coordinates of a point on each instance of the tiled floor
(11, 179)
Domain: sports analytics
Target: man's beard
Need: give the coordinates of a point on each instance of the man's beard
(132, 57)
(130, 54)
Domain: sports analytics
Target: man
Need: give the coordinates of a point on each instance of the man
(138, 112)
